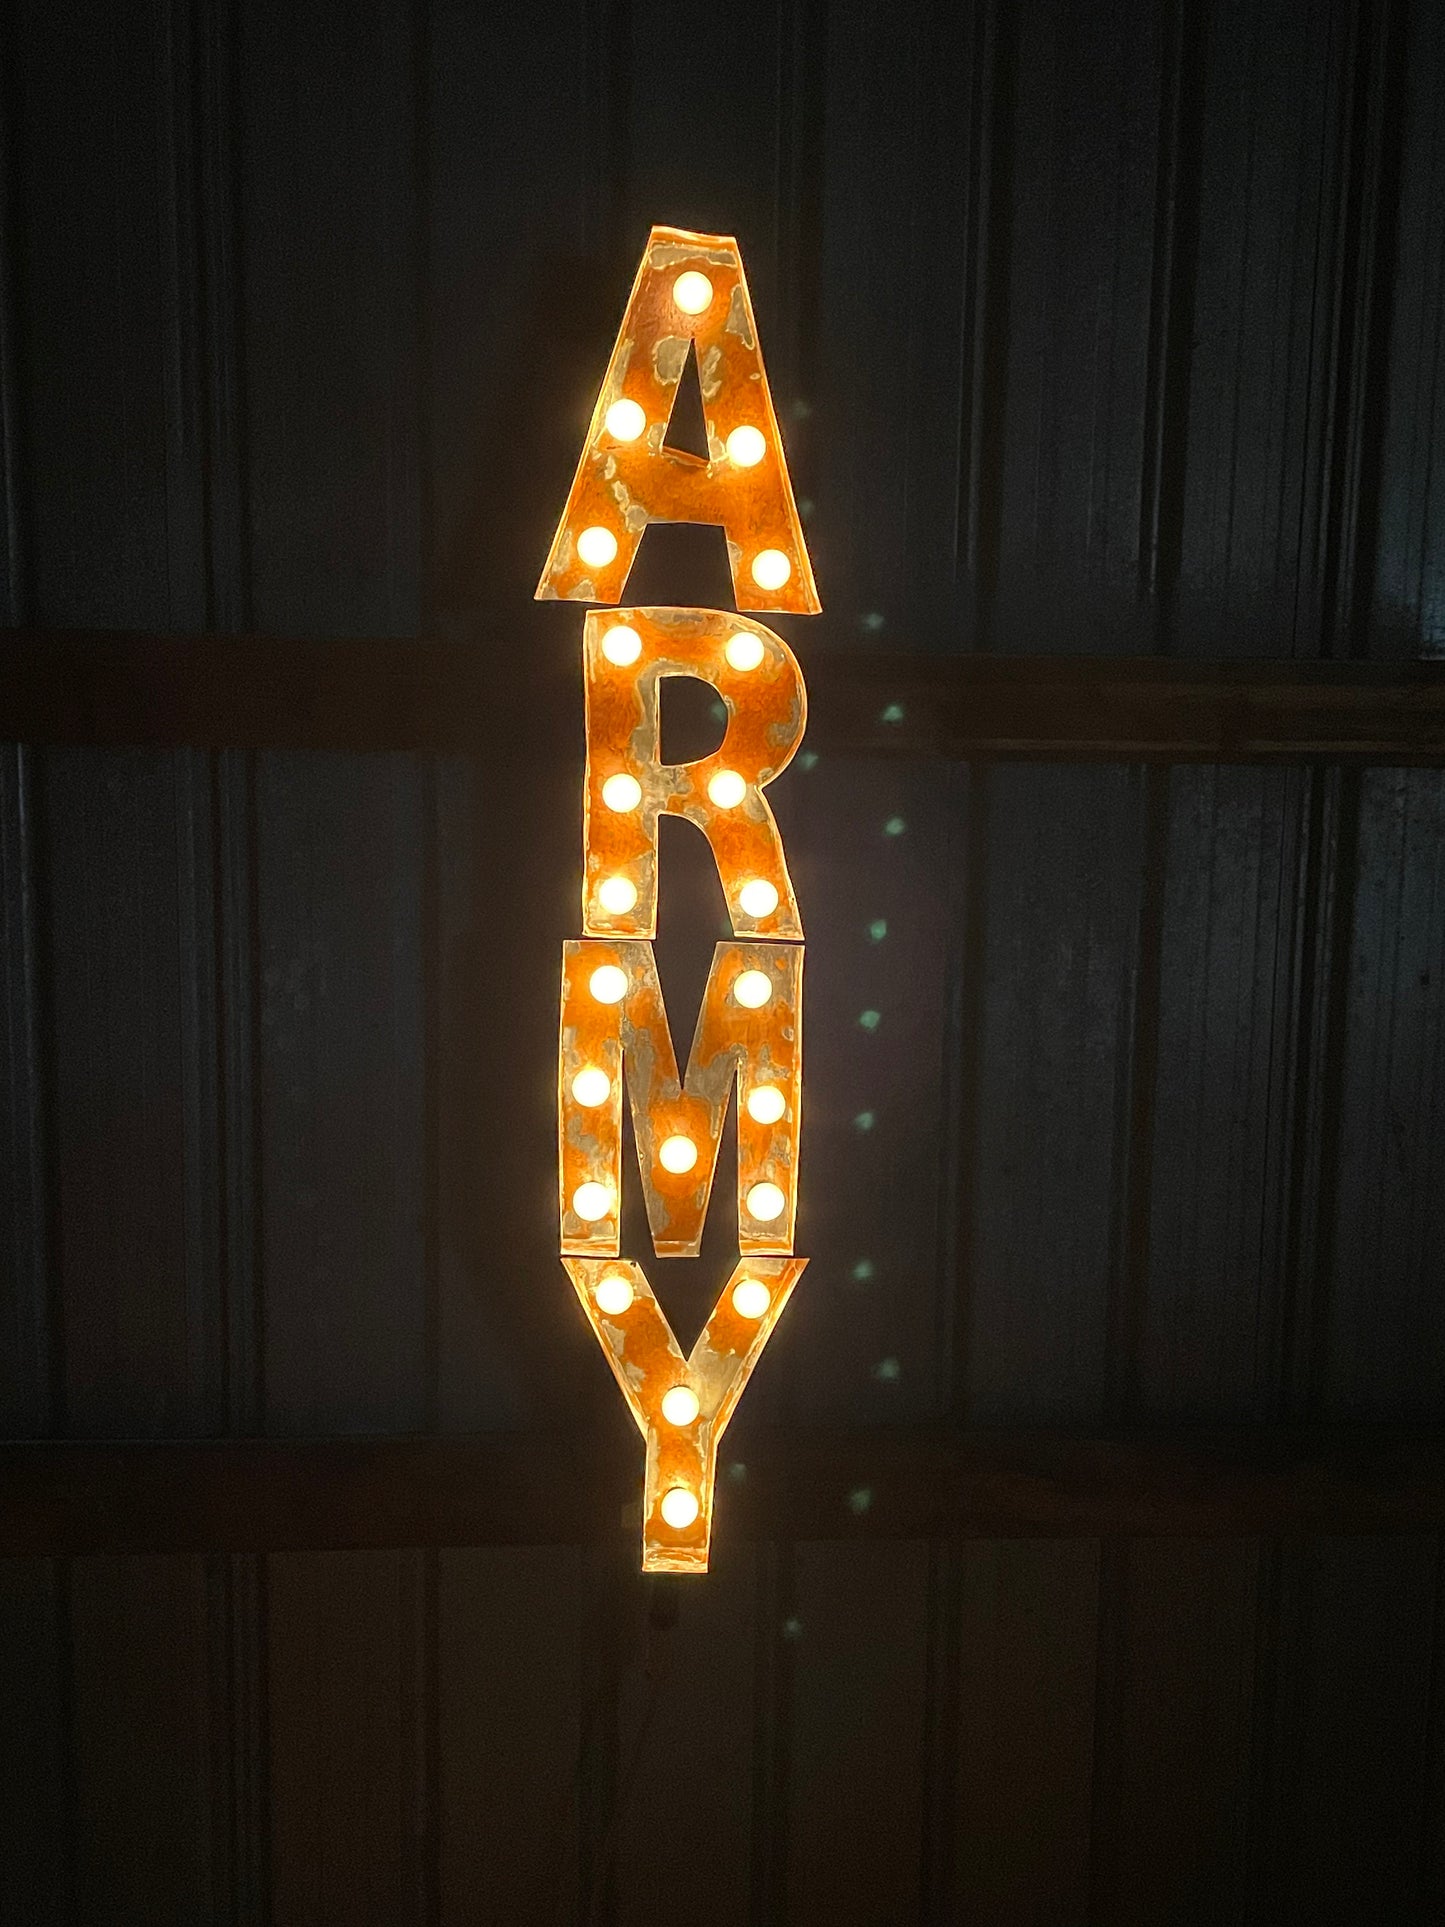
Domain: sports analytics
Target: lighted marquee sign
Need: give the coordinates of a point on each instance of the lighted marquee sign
(690, 292)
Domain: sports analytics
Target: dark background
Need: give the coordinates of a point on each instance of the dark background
(1102, 330)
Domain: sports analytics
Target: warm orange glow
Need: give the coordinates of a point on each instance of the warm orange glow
(628, 1040)
(690, 295)
(690, 298)
(767, 711)
(649, 1367)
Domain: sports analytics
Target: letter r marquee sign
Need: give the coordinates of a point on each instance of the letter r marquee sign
(690, 294)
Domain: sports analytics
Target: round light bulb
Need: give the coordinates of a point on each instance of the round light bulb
(771, 568)
(727, 789)
(625, 420)
(593, 1201)
(622, 793)
(591, 1087)
(746, 447)
(617, 895)
(766, 1103)
(758, 898)
(679, 1507)
(608, 984)
(597, 547)
(622, 645)
(744, 650)
(753, 989)
(751, 1298)
(765, 1202)
(692, 292)
(679, 1405)
(677, 1154)
(614, 1294)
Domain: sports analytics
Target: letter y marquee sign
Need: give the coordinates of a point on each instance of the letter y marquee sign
(690, 293)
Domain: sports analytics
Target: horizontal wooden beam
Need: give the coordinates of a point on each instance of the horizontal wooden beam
(272, 1495)
(112, 687)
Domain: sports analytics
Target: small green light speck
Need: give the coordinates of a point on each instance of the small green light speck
(859, 1501)
(864, 1121)
(719, 712)
(878, 929)
(808, 760)
(888, 1371)
(737, 1472)
(895, 826)
(892, 714)
(870, 1019)
(873, 620)
(792, 1629)
(862, 1271)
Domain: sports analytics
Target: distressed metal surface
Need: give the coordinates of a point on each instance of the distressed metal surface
(766, 715)
(622, 486)
(647, 1363)
(631, 1038)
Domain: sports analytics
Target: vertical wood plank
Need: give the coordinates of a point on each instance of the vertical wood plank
(27, 1282)
(855, 1809)
(1063, 866)
(1408, 576)
(1340, 1804)
(36, 1872)
(1223, 1111)
(1386, 1318)
(509, 1659)
(876, 412)
(138, 1660)
(1253, 486)
(1179, 1731)
(684, 1828)
(1024, 1732)
(1076, 163)
(343, 1682)
(141, 1345)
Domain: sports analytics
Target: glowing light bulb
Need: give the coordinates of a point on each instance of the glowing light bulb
(591, 1087)
(622, 645)
(766, 1103)
(622, 793)
(758, 898)
(617, 895)
(753, 989)
(608, 984)
(679, 1405)
(765, 1202)
(771, 568)
(727, 789)
(625, 420)
(614, 1294)
(597, 547)
(746, 447)
(751, 1298)
(692, 292)
(744, 650)
(679, 1507)
(677, 1154)
(593, 1201)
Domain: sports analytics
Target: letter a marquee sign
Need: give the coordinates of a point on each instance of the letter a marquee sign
(690, 293)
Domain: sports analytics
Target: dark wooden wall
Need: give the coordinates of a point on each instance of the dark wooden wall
(1100, 330)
